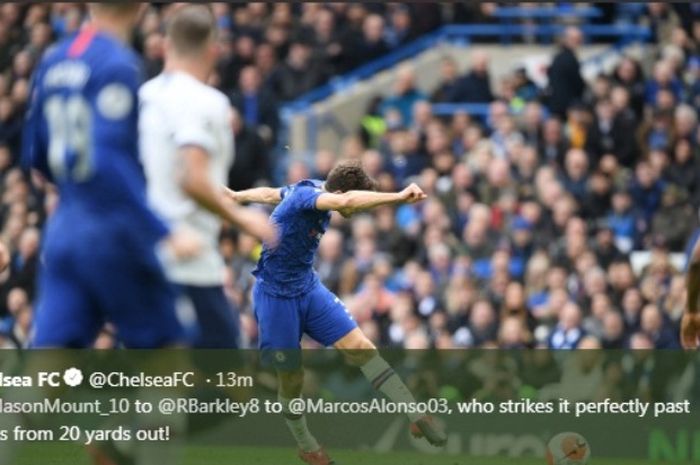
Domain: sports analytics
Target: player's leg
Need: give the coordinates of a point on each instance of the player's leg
(136, 296)
(361, 352)
(291, 383)
(210, 322)
(216, 325)
(139, 301)
(279, 333)
(330, 323)
(66, 316)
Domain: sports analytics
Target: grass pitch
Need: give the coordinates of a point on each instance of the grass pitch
(49, 454)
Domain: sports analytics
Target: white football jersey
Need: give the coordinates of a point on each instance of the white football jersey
(177, 110)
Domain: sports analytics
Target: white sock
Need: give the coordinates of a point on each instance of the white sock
(385, 380)
(298, 428)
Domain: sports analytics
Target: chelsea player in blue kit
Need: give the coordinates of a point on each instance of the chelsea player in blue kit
(290, 300)
(100, 248)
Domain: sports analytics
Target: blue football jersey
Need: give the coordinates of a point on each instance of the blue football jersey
(287, 270)
(99, 258)
(81, 133)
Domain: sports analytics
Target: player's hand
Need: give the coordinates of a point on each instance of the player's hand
(690, 330)
(264, 230)
(413, 194)
(183, 244)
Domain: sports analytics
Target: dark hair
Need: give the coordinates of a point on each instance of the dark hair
(349, 176)
(191, 27)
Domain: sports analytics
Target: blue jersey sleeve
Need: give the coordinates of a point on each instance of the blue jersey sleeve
(284, 191)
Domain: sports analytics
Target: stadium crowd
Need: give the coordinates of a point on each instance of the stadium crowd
(533, 215)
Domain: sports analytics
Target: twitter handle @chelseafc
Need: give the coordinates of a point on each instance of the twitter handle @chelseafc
(74, 377)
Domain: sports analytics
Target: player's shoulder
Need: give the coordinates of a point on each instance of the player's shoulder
(151, 87)
(56, 69)
(121, 59)
(211, 99)
(214, 95)
(187, 91)
(54, 54)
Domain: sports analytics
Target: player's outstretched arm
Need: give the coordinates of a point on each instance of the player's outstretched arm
(690, 324)
(195, 182)
(356, 201)
(266, 195)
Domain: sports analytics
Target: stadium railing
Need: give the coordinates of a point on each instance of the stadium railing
(546, 12)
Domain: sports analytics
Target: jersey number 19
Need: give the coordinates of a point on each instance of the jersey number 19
(70, 127)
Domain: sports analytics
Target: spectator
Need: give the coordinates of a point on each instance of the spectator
(652, 325)
(251, 164)
(256, 105)
(684, 170)
(400, 29)
(565, 82)
(685, 122)
(373, 127)
(646, 191)
(449, 80)
(25, 261)
(623, 221)
(475, 87)
(404, 95)
(329, 263)
(675, 221)
(575, 178)
(298, 74)
(369, 46)
(10, 124)
(327, 46)
(513, 334)
(613, 331)
(525, 89)
(482, 325)
(553, 146)
(610, 135)
(663, 79)
(153, 55)
(628, 74)
(568, 332)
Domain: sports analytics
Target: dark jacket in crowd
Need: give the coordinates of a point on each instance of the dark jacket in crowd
(687, 176)
(565, 82)
(617, 139)
(257, 110)
(251, 162)
(472, 88)
(357, 51)
(288, 83)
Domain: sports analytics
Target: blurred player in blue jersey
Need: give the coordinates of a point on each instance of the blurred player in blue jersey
(100, 247)
(290, 300)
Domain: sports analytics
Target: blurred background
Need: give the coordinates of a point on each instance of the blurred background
(558, 143)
